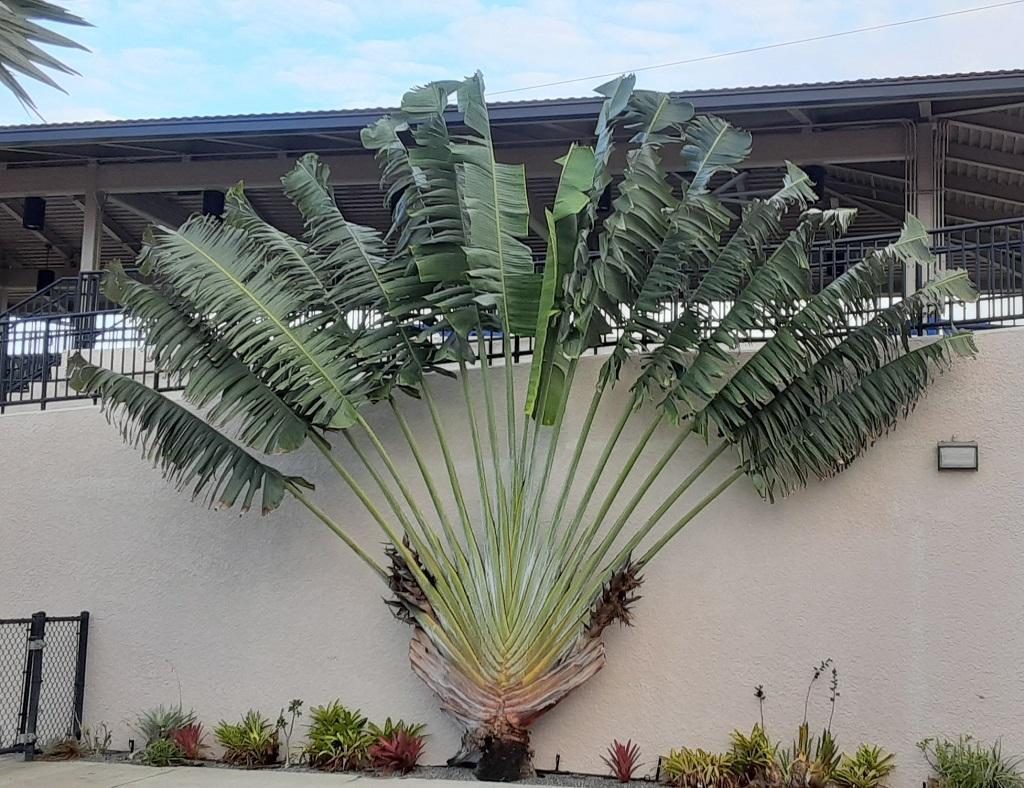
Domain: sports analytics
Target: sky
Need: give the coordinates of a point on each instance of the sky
(163, 58)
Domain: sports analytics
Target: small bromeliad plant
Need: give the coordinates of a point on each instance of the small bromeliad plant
(755, 758)
(967, 763)
(162, 752)
(686, 768)
(398, 751)
(339, 738)
(191, 740)
(508, 571)
(622, 760)
(161, 723)
(869, 767)
(251, 742)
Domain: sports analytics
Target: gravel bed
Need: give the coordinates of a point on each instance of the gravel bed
(555, 780)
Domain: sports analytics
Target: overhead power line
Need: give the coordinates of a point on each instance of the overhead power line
(765, 47)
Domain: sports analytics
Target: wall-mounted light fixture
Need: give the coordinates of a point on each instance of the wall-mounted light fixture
(958, 455)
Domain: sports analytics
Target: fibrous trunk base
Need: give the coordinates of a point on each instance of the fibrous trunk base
(505, 760)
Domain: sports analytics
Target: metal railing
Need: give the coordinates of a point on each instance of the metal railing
(67, 295)
(34, 349)
(992, 253)
(42, 680)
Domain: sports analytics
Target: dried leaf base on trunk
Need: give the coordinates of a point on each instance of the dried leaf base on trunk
(498, 714)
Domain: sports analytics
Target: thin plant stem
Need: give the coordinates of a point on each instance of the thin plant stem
(577, 454)
(478, 456)
(338, 530)
(685, 520)
(428, 480)
(667, 504)
(580, 586)
(584, 543)
(595, 476)
(442, 605)
(641, 491)
(453, 476)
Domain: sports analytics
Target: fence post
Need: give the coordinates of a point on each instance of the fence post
(83, 644)
(4, 327)
(34, 681)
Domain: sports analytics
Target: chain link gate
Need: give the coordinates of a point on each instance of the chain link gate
(42, 680)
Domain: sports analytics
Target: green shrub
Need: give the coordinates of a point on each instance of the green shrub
(966, 763)
(812, 761)
(868, 768)
(754, 757)
(390, 728)
(162, 752)
(688, 768)
(162, 723)
(251, 742)
(340, 738)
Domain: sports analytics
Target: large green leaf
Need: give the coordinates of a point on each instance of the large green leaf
(187, 450)
(20, 36)
(219, 271)
(736, 261)
(823, 322)
(833, 434)
(183, 346)
(497, 213)
(858, 352)
(713, 146)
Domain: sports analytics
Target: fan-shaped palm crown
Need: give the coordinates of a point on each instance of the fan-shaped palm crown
(507, 585)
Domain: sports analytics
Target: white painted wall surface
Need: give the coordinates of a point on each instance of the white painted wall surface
(912, 580)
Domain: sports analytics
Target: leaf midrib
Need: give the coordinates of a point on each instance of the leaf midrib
(273, 318)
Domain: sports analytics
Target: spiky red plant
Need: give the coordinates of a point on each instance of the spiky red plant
(190, 739)
(623, 760)
(399, 752)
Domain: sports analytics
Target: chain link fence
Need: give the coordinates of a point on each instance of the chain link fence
(42, 680)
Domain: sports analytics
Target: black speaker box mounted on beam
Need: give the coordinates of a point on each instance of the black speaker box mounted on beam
(45, 277)
(213, 203)
(34, 213)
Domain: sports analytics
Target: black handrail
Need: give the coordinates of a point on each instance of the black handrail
(34, 348)
(81, 293)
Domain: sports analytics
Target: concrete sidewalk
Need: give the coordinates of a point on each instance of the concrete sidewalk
(41, 774)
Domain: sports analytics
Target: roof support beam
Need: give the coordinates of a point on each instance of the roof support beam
(736, 180)
(999, 125)
(113, 230)
(870, 205)
(92, 231)
(46, 235)
(984, 190)
(840, 146)
(800, 115)
(1009, 163)
(153, 208)
(979, 110)
(866, 174)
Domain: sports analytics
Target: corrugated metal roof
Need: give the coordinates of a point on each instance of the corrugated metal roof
(750, 97)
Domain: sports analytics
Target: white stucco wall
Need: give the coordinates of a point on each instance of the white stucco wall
(911, 580)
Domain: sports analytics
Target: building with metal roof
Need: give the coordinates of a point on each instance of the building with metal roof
(946, 147)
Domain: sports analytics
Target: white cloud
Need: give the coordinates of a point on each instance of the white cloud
(225, 56)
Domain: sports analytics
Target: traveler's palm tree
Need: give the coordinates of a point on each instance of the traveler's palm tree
(508, 583)
(21, 32)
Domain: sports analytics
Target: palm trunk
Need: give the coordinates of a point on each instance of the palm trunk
(497, 718)
(497, 712)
